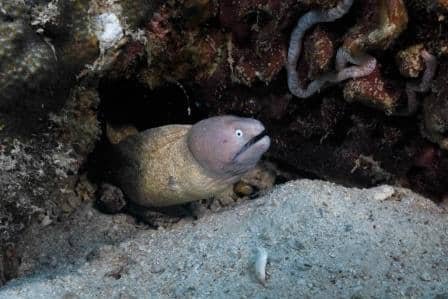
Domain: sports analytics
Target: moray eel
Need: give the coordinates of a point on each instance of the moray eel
(175, 164)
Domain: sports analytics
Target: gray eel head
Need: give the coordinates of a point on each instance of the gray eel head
(228, 146)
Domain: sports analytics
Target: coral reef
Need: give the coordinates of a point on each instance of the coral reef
(184, 43)
(65, 66)
(46, 45)
(347, 142)
(381, 23)
(295, 45)
(48, 126)
(175, 54)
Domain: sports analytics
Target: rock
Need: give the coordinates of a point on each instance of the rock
(218, 250)
(383, 193)
(39, 179)
(425, 276)
(28, 63)
(111, 199)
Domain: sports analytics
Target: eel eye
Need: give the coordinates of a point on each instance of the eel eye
(238, 133)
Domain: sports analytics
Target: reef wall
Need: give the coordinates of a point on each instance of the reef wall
(387, 126)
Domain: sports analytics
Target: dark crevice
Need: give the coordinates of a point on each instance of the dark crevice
(130, 103)
(126, 102)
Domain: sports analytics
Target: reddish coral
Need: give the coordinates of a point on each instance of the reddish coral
(257, 50)
(443, 4)
(373, 91)
(382, 21)
(319, 52)
(247, 18)
(178, 49)
(229, 56)
(249, 66)
(410, 62)
(128, 60)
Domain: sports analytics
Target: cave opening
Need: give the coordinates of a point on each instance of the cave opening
(347, 143)
(127, 104)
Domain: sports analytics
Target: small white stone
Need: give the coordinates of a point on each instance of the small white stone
(108, 31)
(260, 265)
(46, 220)
(425, 276)
(383, 193)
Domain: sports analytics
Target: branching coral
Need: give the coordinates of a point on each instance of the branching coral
(365, 64)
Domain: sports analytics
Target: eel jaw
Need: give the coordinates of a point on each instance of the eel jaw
(250, 143)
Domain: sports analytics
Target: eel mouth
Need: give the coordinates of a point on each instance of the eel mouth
(251, 142)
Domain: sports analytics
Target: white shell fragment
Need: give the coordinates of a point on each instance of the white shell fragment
(261, 260)
(384, 192)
